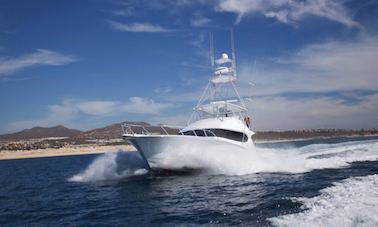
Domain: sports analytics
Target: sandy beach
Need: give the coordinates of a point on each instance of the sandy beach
(65, 151)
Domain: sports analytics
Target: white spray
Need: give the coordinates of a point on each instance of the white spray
(292, 160)
(352, 202)
(114, 166)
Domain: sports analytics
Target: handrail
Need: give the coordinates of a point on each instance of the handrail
(206, 130)
(128, 129)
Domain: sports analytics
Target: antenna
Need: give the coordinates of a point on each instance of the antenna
(211, 38)
(233, 52)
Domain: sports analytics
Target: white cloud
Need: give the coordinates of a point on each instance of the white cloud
(83, 114)
(123, 12)
(325, 67)
(177, 120)
(61, 114)
(137, 27)
(321, 68)
(99, 108)
(145, 106)
(279, 113)
(199, 21)
(289, 11)
(163, 90)
(39, 57)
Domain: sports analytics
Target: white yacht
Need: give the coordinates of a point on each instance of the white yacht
(219, 121)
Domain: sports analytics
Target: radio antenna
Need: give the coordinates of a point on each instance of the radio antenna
(233, 52)
(211, 38)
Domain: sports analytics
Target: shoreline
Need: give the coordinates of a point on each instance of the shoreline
(312, 138)
(65, 151)
(97, 149)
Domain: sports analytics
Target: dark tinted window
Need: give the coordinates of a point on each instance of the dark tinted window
(232, 135)
(200, 133)
(209, 133)
(188, 133)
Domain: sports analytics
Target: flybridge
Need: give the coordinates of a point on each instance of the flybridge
(224, 72)
(221, 97)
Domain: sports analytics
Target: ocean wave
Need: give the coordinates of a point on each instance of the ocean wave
(352, 202)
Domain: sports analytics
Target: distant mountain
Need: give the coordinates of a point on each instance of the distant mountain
(113, 131)
(41, 132)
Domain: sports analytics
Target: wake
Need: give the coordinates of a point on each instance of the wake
(119, 165)
(112, 166)
(352, 202)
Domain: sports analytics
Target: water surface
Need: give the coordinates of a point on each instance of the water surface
(316, 182)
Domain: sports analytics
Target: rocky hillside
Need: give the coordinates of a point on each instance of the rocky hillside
(113, 131)
(41, 132)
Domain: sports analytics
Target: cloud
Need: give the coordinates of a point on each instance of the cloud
(85, 114)
(284, 11)
(61, 114)
(324, 67)
(200, 47)
(137, 27)
(177, 120)
(163, 90)
(279, 113)
(98, 108)
(145, 106)
(199, 21)
(328, 84)
(289, 11)
(312, 87)
(38, 58)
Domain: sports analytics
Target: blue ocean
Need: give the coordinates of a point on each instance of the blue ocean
(327, 182)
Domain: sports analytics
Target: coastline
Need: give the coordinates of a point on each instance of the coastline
(311, 138)
(65, 151)
(97, 149)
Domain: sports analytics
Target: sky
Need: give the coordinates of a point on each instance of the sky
(302, 64)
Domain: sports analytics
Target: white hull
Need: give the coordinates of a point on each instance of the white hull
(219, 124)
(165, 151)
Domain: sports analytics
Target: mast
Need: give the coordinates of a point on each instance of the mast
(233, 51)
(211, 39)
(221, 97)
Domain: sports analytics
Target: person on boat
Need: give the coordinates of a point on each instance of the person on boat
(247, 120)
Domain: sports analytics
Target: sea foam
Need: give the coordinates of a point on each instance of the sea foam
(283, 160)
(114, 166)
(352, 202)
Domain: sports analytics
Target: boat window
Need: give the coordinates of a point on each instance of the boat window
(232, 135)
(188, 133)
(200, 133)
(209, 133)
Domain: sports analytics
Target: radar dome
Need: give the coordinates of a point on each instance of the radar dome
(224, 56)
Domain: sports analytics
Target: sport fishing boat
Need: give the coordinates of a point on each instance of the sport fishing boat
(220, 120)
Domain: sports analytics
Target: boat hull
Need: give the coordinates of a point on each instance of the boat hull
(178, 152)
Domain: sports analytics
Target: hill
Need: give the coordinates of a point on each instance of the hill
(113, 131)
(41, 132)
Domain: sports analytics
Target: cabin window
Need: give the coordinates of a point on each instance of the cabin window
(200, 133)
(188, 133)
(232, 135)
